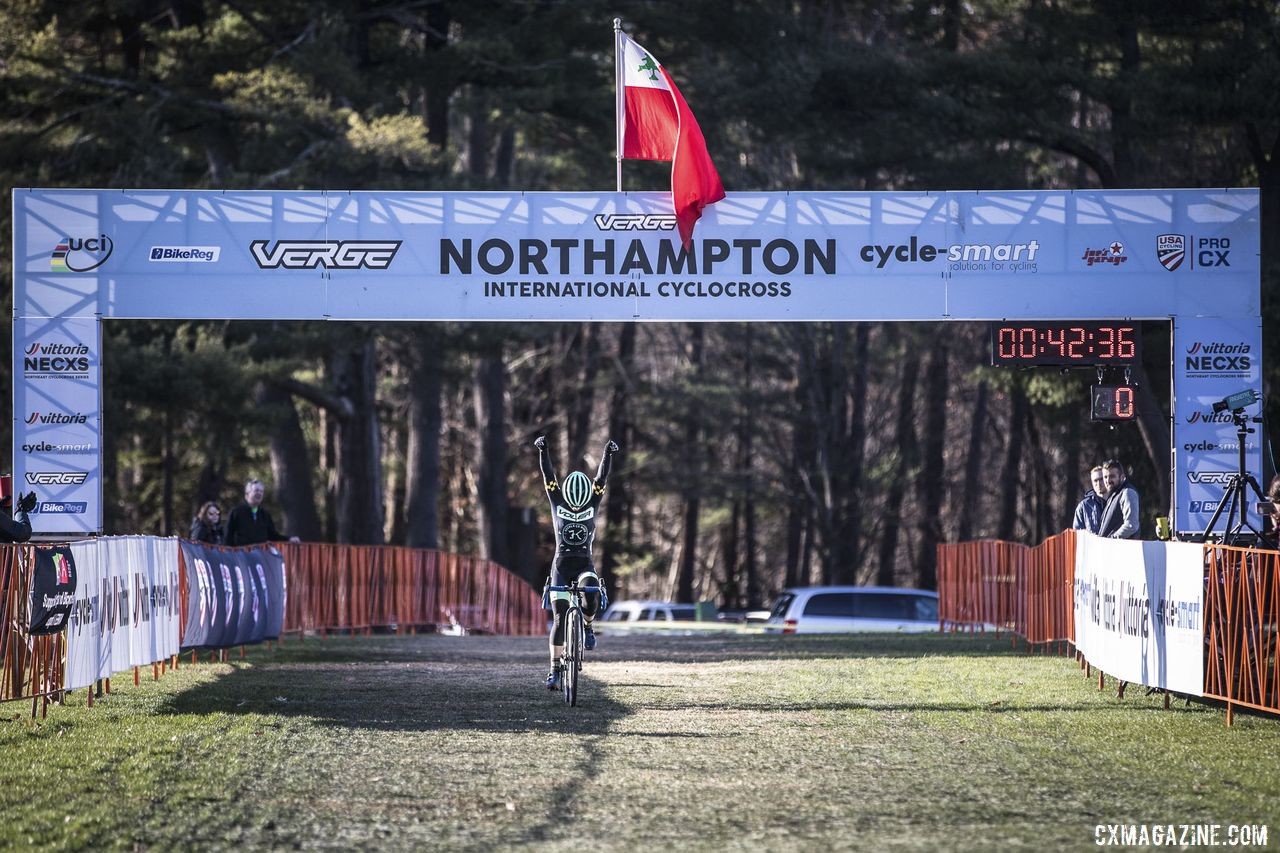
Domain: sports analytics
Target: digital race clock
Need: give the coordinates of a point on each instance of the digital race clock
(1087, 344)
(1113, 403)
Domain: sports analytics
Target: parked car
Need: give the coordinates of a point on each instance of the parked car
(853, 609)
(649, 611)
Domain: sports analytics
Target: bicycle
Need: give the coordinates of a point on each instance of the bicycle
(575, 638)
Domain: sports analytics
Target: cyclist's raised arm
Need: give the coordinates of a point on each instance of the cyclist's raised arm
(549, 480)
(606, 465)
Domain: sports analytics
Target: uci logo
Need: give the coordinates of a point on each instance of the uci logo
(80, 254)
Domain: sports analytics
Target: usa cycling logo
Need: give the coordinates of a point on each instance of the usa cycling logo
(1173, 249)
(56, 478)
(80, 254)
(330, 254)
(635, 221)
(1209, 478)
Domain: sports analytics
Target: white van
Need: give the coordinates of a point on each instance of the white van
(853, 609)
(649, 611)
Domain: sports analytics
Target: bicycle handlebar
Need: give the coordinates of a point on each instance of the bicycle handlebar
(574, 588)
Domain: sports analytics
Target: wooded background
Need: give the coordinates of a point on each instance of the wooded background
(753, 456)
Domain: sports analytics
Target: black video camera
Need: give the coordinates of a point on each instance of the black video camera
(1238, 401)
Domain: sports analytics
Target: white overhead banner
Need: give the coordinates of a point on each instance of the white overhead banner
(616, 256)
(1190, 256)
(1139, 610)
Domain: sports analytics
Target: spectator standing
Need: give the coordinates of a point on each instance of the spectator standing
(14, 526)
(1089, 511)
(207, 525)
(250, 523)
(1120, 515)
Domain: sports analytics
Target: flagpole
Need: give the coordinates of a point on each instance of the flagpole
(619, 113)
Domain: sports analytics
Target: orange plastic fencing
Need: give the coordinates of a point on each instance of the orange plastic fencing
(1009, 587)
(1242, 628)
(330, 588)
(32, 666)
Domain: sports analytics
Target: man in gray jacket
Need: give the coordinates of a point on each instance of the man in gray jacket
(1120, 516)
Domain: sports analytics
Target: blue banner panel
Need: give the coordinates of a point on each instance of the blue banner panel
(235, 596)
(616, 256)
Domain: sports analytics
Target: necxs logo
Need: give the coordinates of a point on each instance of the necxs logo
(1209, 478)
(635, 221)
(1218, 357)
(330, 254)
(56, 478)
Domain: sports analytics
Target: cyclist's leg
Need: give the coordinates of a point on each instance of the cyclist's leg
(559, 606)
(590, 604)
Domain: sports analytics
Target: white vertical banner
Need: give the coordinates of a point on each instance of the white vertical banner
(1213, 358)
(1139, 610)
(57, 422)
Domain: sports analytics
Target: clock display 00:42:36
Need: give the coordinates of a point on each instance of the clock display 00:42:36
(1062, 344)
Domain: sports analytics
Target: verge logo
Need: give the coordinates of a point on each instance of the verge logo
(57, 418)
(635, 221)
(80, 254)
(185, 254)
(1209, 478)
(56, 478)
(330, 254)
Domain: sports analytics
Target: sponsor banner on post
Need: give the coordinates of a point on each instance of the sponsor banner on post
(56, 422)
(235, 596)
(125, 611)
(1213, 359)
(1139, 610)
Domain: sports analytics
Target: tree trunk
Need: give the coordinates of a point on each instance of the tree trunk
(358, 462)
(617, 540)
(1009, 474)
(439, 86)
(583, 364)
(854, 453)
(931, 481)
(422, 462)
(904, 439)
(290, 466)
(689, 551)
(973, 468)
(489, 391)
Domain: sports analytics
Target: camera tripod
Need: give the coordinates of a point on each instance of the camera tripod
(1235, 494)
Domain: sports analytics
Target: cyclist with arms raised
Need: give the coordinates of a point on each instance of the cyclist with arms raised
(574, 506)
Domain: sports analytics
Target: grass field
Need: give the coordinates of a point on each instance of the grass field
(759, 742)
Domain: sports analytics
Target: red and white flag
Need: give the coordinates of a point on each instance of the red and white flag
(658, 125)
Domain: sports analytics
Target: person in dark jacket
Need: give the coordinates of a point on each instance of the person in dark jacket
(207, 525)
(250, 523)
(15, 527)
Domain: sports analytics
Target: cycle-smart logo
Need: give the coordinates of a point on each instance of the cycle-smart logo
(959, 257)
(80, 254)
(635, 221)
(184, 254)
(68, 449)
(329, 254)
(56, 478)
(55, 361)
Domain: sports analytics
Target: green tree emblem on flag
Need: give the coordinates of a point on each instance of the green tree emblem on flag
(649, 66)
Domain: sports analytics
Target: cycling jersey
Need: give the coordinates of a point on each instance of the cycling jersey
(574, 516)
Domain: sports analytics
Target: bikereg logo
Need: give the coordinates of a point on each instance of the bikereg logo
(185, 254)
(80, 254)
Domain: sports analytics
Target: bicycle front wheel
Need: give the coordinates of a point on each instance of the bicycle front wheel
(575, 641)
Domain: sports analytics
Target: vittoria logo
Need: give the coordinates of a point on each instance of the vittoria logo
(330, 254)
(635, 221)
(1209, 418)
(1171, 250)
(55, 360)
(1219, 360)
(80, 254)
(57, 418)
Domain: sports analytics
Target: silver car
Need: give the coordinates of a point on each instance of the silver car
(853, 609)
